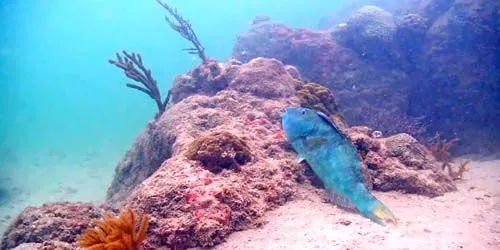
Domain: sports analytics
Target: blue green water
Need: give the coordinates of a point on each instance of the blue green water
(66, 117)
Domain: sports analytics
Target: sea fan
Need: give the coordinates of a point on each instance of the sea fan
(115, 233)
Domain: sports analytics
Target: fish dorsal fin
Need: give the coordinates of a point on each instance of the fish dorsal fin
(328, 120)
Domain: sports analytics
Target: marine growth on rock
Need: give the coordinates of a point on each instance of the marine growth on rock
(218, 151)
(320, 98)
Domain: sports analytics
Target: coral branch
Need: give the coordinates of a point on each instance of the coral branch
(440, 148)
(456, 175)
(132, 66)
(183, 27)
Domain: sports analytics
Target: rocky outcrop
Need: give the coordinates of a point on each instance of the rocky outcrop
(460, 63)
(194, 200)
(434, 61)
(367, 94)
(156, 143)
(400, 162)
(150, 149)
(61, 221)
(370, 32)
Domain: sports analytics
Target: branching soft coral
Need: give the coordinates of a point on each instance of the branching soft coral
(184, 28)
(440, 148)
(456, 175)
(117, 233)
(132, 66)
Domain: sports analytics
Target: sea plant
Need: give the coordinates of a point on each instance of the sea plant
(440, 149)
(184, 28)
(456, 175)
(134, 69)
(118, 233)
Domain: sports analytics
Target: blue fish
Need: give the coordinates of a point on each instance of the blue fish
(319, 142)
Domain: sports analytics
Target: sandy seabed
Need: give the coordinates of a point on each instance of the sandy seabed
(466, 219)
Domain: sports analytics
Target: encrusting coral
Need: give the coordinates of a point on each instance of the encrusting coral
(218, 151)
(115, 233)
(317, 97)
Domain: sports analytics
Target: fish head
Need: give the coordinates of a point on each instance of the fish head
(382, 215)
(299, 122)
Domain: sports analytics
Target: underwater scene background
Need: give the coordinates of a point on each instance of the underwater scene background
(413, 85)
(67, 115)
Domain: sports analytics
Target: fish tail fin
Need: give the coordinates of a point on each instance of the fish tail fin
(382, 215)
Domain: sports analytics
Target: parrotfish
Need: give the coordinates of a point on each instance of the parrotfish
(333, 158)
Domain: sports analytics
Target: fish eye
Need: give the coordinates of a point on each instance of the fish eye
(303, 112)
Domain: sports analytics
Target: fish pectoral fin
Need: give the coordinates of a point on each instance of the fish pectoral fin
(300, 159)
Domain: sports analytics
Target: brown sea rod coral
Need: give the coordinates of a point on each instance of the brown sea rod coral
(115, 232)
(184, 28)
(218, 151)
(134, 69)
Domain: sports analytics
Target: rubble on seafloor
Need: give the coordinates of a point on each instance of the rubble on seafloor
(187, 204)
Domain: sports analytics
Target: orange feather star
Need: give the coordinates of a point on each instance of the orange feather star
(115, 233)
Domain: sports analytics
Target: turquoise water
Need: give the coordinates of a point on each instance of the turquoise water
(66, 117)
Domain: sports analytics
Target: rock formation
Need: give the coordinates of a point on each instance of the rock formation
(198, 201)
(433, 62)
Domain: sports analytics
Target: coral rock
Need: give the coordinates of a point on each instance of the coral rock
(60, 221)
(369, 31)
(218, 151)
(400, 163)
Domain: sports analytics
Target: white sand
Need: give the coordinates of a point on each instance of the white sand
(466, 219)
(48, 180)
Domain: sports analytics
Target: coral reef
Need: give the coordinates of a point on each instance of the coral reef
(115, 232)
(61, 221)
(429, 59)
(155, 144)
(189, 205)
(142, 75)
(208, 78)
(181, 169)
(192, 206)
(369, 31)
(183, 27)
(361, 89)
(218, 151)
(460, 66)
